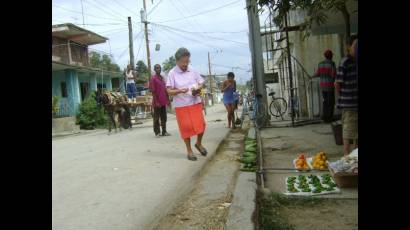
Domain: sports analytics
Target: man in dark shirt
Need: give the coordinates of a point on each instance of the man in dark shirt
(160, 101)
(347, 86)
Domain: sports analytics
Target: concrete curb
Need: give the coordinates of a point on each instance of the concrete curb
(243, 205)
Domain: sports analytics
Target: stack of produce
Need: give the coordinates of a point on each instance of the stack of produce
(248, 158)
(319, 186)
(301, 163)
(319, 161)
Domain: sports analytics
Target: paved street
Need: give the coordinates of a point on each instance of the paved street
(126, 180)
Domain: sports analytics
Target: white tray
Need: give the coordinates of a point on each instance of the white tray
(337, 190)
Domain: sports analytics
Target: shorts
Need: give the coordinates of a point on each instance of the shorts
(350, 123)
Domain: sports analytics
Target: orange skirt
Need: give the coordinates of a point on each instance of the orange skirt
(191, 120)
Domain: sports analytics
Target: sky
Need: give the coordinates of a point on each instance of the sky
(202, 26)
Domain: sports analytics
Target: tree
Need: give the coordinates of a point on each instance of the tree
(169, 64)
(90, 115)
(316, 11)
(98, 61)
(142, 71)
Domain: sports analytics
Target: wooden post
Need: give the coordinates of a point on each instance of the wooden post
(210, 79)
(131, 43)
(147, 42)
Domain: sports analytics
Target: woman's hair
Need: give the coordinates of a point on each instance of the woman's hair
(182, 52)
(230, 74)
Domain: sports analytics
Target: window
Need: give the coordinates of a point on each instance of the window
(84, 90)
(99, 86)
(63, 89)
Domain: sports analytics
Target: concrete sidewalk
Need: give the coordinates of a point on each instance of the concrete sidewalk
(125, 180)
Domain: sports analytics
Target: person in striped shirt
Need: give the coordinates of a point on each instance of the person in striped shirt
(347, 86)
(327, 72)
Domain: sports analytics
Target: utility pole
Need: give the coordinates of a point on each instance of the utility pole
(82, 11)
(210, 79)
(144, 20)
(131, 45)
(255, 43)
(290, 71)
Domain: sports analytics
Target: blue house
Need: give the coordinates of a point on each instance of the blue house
(73, 79)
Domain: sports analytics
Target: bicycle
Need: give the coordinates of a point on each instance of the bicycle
(258, 113)
(278, 106)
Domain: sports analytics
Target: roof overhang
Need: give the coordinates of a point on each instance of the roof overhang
(77, 34)
(58, 66)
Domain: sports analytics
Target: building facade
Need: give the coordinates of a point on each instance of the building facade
(73, 79)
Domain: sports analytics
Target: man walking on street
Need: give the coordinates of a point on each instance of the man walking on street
(327, 73)
(159, 102)
(346, 85)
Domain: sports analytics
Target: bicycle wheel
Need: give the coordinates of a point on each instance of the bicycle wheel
(278, 107)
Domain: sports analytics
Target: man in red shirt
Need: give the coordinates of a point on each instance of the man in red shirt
(159, 102)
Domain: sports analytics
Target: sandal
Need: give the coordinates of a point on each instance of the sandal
(192, 158)
(203, 151)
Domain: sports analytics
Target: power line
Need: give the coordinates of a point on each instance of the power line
(224, 32)
(116, 32)
(152, 10)
(132, 13)
(100, 24)
(203, 12)
(78, 12)
(103, 10)
(230, 67)
(193, 19)
(175, 7)
(206, 36)
(112, 31)
(135, 37)
(108, 7)
(139, 48)
(181, 34)
(188, 38)
(172, 39)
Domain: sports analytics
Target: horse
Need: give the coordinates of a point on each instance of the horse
(116, 104)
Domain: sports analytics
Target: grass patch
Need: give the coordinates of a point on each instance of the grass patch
(295, 201)
(269, 209)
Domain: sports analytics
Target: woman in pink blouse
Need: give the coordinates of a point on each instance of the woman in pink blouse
(184, 84)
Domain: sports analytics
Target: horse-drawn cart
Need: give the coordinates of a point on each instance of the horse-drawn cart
(141, 108)
(122, 112)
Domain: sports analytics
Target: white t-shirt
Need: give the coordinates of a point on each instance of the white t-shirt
(129, 75)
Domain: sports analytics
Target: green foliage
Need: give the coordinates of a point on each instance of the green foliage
(315, 9)
(169, 64)
(141, 68)
(98, 61)
(90, 115)
(142, 71)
